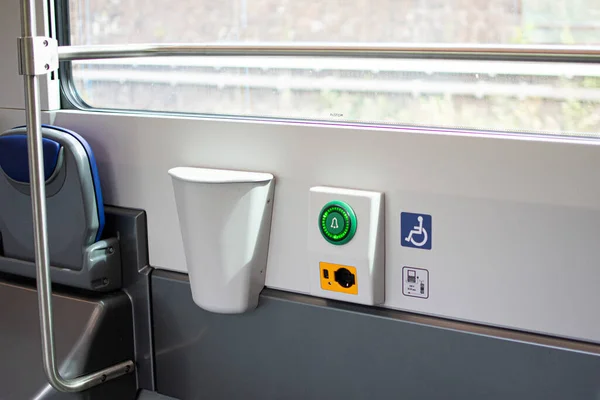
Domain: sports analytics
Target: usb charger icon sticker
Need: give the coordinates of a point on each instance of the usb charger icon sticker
(415, 282)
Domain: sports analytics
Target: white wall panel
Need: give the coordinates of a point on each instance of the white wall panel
(514, 219)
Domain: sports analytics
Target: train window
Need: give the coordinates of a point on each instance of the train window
(554, 98)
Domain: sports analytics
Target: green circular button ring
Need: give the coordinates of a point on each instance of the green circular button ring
(345, 229)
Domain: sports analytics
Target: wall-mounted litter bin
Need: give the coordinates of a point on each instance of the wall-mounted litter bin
(225, 222)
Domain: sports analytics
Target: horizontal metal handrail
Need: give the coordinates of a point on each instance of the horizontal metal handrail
(548, 53)
(374, 65)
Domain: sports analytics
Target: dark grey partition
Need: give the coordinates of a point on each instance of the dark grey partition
(130, 226)
(90, 334)
(298, 347)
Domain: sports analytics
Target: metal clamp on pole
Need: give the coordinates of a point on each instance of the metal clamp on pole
(37, 56)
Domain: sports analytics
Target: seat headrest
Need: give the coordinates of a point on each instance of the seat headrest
(14, 159)
(55, 141)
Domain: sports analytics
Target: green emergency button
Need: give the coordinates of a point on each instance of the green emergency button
(337, 222)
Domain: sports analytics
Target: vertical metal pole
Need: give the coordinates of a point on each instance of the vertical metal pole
(38, 194)
(40, 229)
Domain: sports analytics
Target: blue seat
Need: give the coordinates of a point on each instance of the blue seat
(73, 196)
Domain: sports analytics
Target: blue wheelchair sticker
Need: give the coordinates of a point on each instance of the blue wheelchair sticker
(415, 230)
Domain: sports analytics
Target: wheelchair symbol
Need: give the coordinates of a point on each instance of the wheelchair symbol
(415, 230)
(419, 231)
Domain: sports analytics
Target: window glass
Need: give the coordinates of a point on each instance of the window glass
(376, 21)
(557, 98)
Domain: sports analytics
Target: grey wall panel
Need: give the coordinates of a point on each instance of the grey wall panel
(298, 347)
(148, 395)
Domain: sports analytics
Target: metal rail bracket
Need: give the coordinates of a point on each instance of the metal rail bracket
(38, 55)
